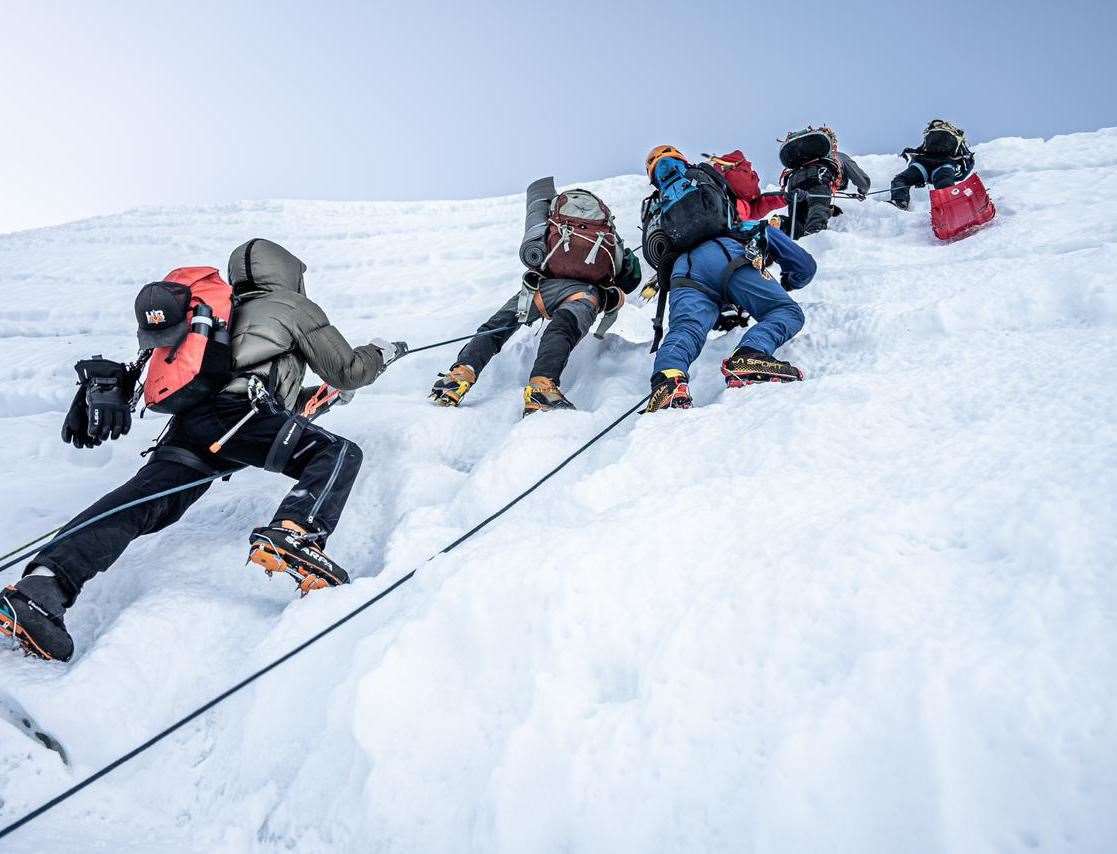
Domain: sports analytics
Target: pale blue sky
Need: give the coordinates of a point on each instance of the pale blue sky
(109, 105)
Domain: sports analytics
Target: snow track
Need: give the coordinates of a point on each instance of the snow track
(874, 611)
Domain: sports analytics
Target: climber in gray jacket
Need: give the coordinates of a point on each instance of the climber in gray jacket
(277, 332)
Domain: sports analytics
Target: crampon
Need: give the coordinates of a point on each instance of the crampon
(746, 367)
(281, 550)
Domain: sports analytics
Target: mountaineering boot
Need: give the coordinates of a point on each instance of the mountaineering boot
(450, 388)
(669, 391)
(747, 366)
(31, 613)
(542, 395)
(288, 548)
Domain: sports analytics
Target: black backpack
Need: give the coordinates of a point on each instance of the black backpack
(693, 204)
(943, 139)
(801, 147)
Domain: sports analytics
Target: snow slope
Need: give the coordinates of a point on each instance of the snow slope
(874, 611)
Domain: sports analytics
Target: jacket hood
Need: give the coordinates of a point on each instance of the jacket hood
(261, 264)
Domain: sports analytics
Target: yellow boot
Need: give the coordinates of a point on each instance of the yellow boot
(542, 395)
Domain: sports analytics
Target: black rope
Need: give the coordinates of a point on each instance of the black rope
(29, 543)
(69, 532)
(541, 480)
(462, 338)
(151, 742)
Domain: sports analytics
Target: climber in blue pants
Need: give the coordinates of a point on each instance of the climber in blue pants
(718, 275)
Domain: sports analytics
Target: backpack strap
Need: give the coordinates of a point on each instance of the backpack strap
(663, 276)
(748, 240)
(660, 311)
(184, 457)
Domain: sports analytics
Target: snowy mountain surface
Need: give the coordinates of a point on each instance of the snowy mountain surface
(871, 612)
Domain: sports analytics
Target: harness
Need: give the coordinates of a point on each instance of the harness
(755, 255)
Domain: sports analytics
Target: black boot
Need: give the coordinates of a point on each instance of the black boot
(669, 391)
(294, 552)
(747, 366)
(901, 190)
(451, 387)
(31, 613)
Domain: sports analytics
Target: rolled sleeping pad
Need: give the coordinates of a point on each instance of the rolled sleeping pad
(533, 248)
(656, 244)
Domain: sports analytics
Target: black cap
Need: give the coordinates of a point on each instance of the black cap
(161, 312)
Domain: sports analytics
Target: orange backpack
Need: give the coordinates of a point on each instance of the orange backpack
(200, 364)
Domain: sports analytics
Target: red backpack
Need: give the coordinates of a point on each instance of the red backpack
(200, 364)
(582, 240)
(739, 174)
(742, 179)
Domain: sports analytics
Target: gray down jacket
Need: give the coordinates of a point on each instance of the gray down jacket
(275, 327)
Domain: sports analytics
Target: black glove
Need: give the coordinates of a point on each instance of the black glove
(799, 198)
(75, 429)
(108, 397)
(730, 318)
(785, 282)
(628, 279)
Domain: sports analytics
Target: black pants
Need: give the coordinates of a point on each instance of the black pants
(918, 175)
(324, 465)
(569, 324)
(814, 213)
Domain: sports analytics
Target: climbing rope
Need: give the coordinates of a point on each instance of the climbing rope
(224, 695)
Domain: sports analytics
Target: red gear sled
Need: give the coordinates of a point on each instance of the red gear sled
(955, 210)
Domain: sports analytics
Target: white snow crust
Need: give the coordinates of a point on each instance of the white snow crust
(871, 612)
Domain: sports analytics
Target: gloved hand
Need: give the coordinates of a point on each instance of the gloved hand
(75, 429)
(389, 350)
(108, 397)
(861, 196)
(345, 396)
(730, 318)
(628, 279)
(785, 282)
(799, 198)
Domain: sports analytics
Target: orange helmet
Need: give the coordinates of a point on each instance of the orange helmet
(658, 153)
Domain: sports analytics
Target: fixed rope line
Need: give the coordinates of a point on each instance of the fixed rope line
(462, 338)
(248, 680)
(69, 532)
